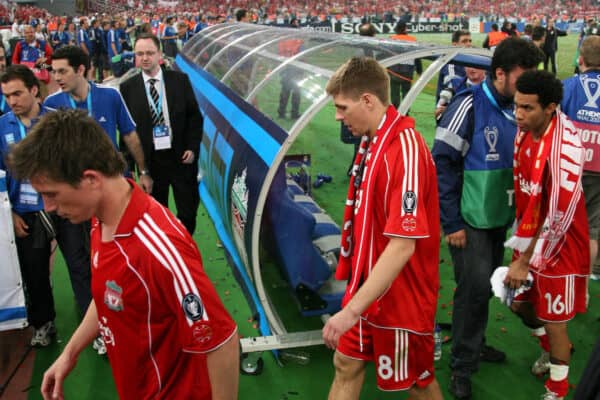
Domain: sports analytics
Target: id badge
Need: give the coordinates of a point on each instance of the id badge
(162, 137)
(27, 194)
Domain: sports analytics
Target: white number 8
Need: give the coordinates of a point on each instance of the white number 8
(385, 370)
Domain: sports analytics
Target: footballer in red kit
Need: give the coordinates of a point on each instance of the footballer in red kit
(564, 274)
(145, 282)
(405, 205)
(390, 244)
(550, 237)
(165, 329)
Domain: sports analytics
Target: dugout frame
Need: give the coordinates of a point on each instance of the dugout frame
(246, 60)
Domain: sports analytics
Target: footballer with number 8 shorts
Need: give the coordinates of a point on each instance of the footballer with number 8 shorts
(390, 244)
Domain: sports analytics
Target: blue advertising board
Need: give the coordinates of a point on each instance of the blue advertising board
(238, 148)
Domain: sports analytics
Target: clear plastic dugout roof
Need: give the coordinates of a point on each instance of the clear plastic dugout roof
(255, 61)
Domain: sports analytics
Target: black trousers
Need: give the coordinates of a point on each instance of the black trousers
(74, 243)
(168, 171)
(550, 57)
(399, 89)
(98, 62)
(34, 260)
(473, 268)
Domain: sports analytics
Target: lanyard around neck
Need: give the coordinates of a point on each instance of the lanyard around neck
(22, 128)
(492, 100)
(88, 101)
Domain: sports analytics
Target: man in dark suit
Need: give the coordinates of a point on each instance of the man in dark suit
(551, 45)
(169, 125)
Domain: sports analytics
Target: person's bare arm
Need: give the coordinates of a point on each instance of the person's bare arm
(132, 141)
(519, 268)
(457, 239)
(397, 252)
(52, 383)
(21, 228)
(223, 370)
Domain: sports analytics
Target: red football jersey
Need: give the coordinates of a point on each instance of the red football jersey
(406, 205)
(157, 310)
(574, 254)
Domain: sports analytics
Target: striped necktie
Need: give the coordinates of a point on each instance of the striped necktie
(157, 119)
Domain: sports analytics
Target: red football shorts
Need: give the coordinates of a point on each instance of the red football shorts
(556, 298)
(402, 358)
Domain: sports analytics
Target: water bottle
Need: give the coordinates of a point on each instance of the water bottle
(437, 340)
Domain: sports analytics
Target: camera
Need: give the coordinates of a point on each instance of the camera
(446, 95)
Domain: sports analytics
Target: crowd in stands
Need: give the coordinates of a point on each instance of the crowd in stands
(108, 34)
(384, 10)
(318, 11)
(39, 40)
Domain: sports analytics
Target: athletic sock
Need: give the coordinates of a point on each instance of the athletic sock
(540, 333)
(558, 381)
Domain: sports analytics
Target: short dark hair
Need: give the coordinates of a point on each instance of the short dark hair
(515, 52)
(240, 14)
(145, 35)
(458, 34)
(62, 145)
(22, 73)
(547, 87)
(400, 28)
(538, 33)
(74, 55)
(367, 30)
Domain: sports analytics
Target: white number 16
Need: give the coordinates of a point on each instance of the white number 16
(555, 307)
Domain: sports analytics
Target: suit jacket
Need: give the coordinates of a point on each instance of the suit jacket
(184, 115)
(551, 40)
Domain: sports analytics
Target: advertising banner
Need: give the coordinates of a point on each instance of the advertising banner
(234, 161)
(412, 27)
(590, 138)
(571, 27)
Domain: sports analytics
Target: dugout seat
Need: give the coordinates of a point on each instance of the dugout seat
(306, 243)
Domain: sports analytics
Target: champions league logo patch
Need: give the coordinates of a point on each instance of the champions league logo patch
(591, 88)
(113, 296)
(409, 202)
(192, 306)
(491, 137)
